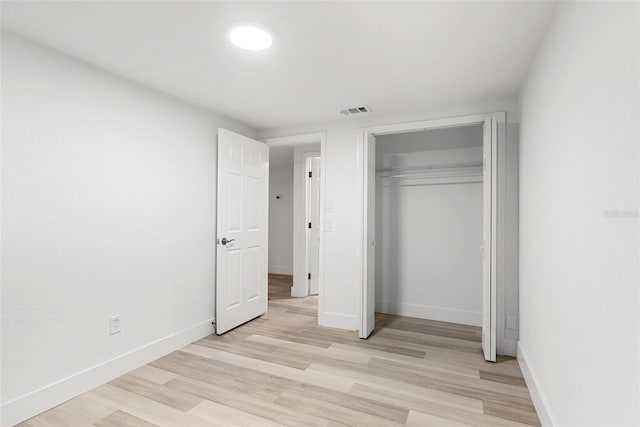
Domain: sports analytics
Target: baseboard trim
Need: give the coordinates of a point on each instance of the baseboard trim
(298, 293)
(35, 402)
(337, 320)
(507, 347)
(281, 269)
(540, 401)
(442, 314)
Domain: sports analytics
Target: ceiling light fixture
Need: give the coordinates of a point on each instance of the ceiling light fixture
(250, 37)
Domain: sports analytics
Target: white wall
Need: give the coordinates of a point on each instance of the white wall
(108, 207)
(579, 217)
(281, 219)
(428, 235)
(338, 305)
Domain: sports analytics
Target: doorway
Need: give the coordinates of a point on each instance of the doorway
(256, 249)
(408, 172)
(295, 224)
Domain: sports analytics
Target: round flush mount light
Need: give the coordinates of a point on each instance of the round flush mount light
(250, 37)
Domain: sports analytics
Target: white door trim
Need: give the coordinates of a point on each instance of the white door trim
(296, 140)
(413, 127)
(299, 141)
(311, 216)
(301, 286)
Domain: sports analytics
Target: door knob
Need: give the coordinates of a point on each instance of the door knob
(225, 241)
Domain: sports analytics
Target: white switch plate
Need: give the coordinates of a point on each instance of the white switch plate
(328, 226)
(328, 206)
(115, 324)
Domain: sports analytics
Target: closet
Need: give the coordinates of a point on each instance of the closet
(429, 210)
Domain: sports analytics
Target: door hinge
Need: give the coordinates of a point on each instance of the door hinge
(310, 174)
(309, 276)
(309, 225)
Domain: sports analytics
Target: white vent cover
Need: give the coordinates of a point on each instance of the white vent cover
(355, 110)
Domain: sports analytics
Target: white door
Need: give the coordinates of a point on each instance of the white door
(369, 267)
(242, 226)
(313, 218)
(489, 192)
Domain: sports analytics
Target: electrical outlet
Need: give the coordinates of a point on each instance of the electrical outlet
(115, 324)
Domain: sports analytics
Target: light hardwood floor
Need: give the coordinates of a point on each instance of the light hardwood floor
(283, 369)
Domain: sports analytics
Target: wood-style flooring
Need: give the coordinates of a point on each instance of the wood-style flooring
(283, 369)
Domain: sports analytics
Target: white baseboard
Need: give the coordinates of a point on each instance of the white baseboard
(507, 347)
(281, 269)
(37, 401)
(337, 320)
(297, 292)
(540, 401)
(442, 314)
(300, 288)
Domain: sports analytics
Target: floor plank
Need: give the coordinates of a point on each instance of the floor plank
(284, 369)
(122, 419)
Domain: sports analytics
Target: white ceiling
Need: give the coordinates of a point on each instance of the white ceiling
(391, 56)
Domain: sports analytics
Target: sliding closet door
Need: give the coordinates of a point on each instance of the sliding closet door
(489, 193)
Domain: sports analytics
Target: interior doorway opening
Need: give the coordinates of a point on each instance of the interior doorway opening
(295, 200)
(434, 186)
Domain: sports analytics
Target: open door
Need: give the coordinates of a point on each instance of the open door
(313, 219)
(489, 194)
(369, 240)
(242, 227)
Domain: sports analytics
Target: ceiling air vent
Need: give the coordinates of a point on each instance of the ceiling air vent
(355, 110)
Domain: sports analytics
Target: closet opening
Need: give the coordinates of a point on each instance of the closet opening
(429, 224)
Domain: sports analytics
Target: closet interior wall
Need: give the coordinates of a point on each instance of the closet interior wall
(429, 224)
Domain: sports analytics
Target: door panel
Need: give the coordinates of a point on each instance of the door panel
(242, 218)
(313, 238)
(489, 300)
(368, 297)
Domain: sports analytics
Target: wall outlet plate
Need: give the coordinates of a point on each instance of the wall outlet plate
(115, 324)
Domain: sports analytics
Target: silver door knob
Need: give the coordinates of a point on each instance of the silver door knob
(225, 241)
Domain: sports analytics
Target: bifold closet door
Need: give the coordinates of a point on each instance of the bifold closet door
(369, 268)
(489, 197)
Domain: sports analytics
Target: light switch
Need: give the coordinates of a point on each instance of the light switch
(328, 226)
(328, 206)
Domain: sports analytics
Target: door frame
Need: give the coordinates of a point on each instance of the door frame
(301, 262)
(308, 166)
(497, 209)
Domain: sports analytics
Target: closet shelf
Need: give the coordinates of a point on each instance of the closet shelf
(439, 174)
